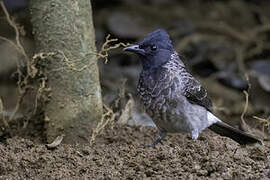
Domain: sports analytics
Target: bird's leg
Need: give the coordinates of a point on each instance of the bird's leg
(161, 135)
(194, 134)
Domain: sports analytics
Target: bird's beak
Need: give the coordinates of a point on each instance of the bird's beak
(134, 48)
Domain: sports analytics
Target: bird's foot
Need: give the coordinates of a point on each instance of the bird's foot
(162, 135)
(157, 141)
(153, 145)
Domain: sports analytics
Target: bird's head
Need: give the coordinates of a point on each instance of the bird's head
(154, 50)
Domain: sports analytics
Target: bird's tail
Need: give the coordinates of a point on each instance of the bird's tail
(237, 135)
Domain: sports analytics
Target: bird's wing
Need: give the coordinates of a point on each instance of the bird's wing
(195, 93)
(190, 87)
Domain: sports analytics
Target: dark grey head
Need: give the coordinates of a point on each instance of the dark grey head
(154, 50)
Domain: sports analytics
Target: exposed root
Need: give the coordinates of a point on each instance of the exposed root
(36, 72)
(71, 64)
(245, 107)
(106, 47)
(120, 112)
(22, 82)
(103, 54)
(32, 72)
(107, 118)
(264, 122)
(13, 24)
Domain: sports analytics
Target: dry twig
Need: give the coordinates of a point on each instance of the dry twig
(264, 122)
(245, 107)
(107, 117)
(103, 53)
(243, 124)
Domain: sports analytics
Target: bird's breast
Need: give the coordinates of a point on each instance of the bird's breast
(169, 108)
(161, 102)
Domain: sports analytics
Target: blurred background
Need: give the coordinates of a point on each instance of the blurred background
(224, 43)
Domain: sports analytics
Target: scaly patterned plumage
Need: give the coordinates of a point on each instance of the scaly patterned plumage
(173, 98)
(165, 92)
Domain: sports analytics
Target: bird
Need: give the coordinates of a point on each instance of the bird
(173, 98)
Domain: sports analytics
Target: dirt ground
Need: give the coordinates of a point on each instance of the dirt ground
(211, 35)
(119, 154)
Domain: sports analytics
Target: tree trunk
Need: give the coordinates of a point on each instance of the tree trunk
(65, 27)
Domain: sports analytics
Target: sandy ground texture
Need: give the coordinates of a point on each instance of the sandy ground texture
(118, 154)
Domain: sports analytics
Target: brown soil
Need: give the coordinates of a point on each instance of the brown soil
(118, 153)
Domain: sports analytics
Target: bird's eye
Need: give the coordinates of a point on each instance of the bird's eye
(141, 46)
(153, 47)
